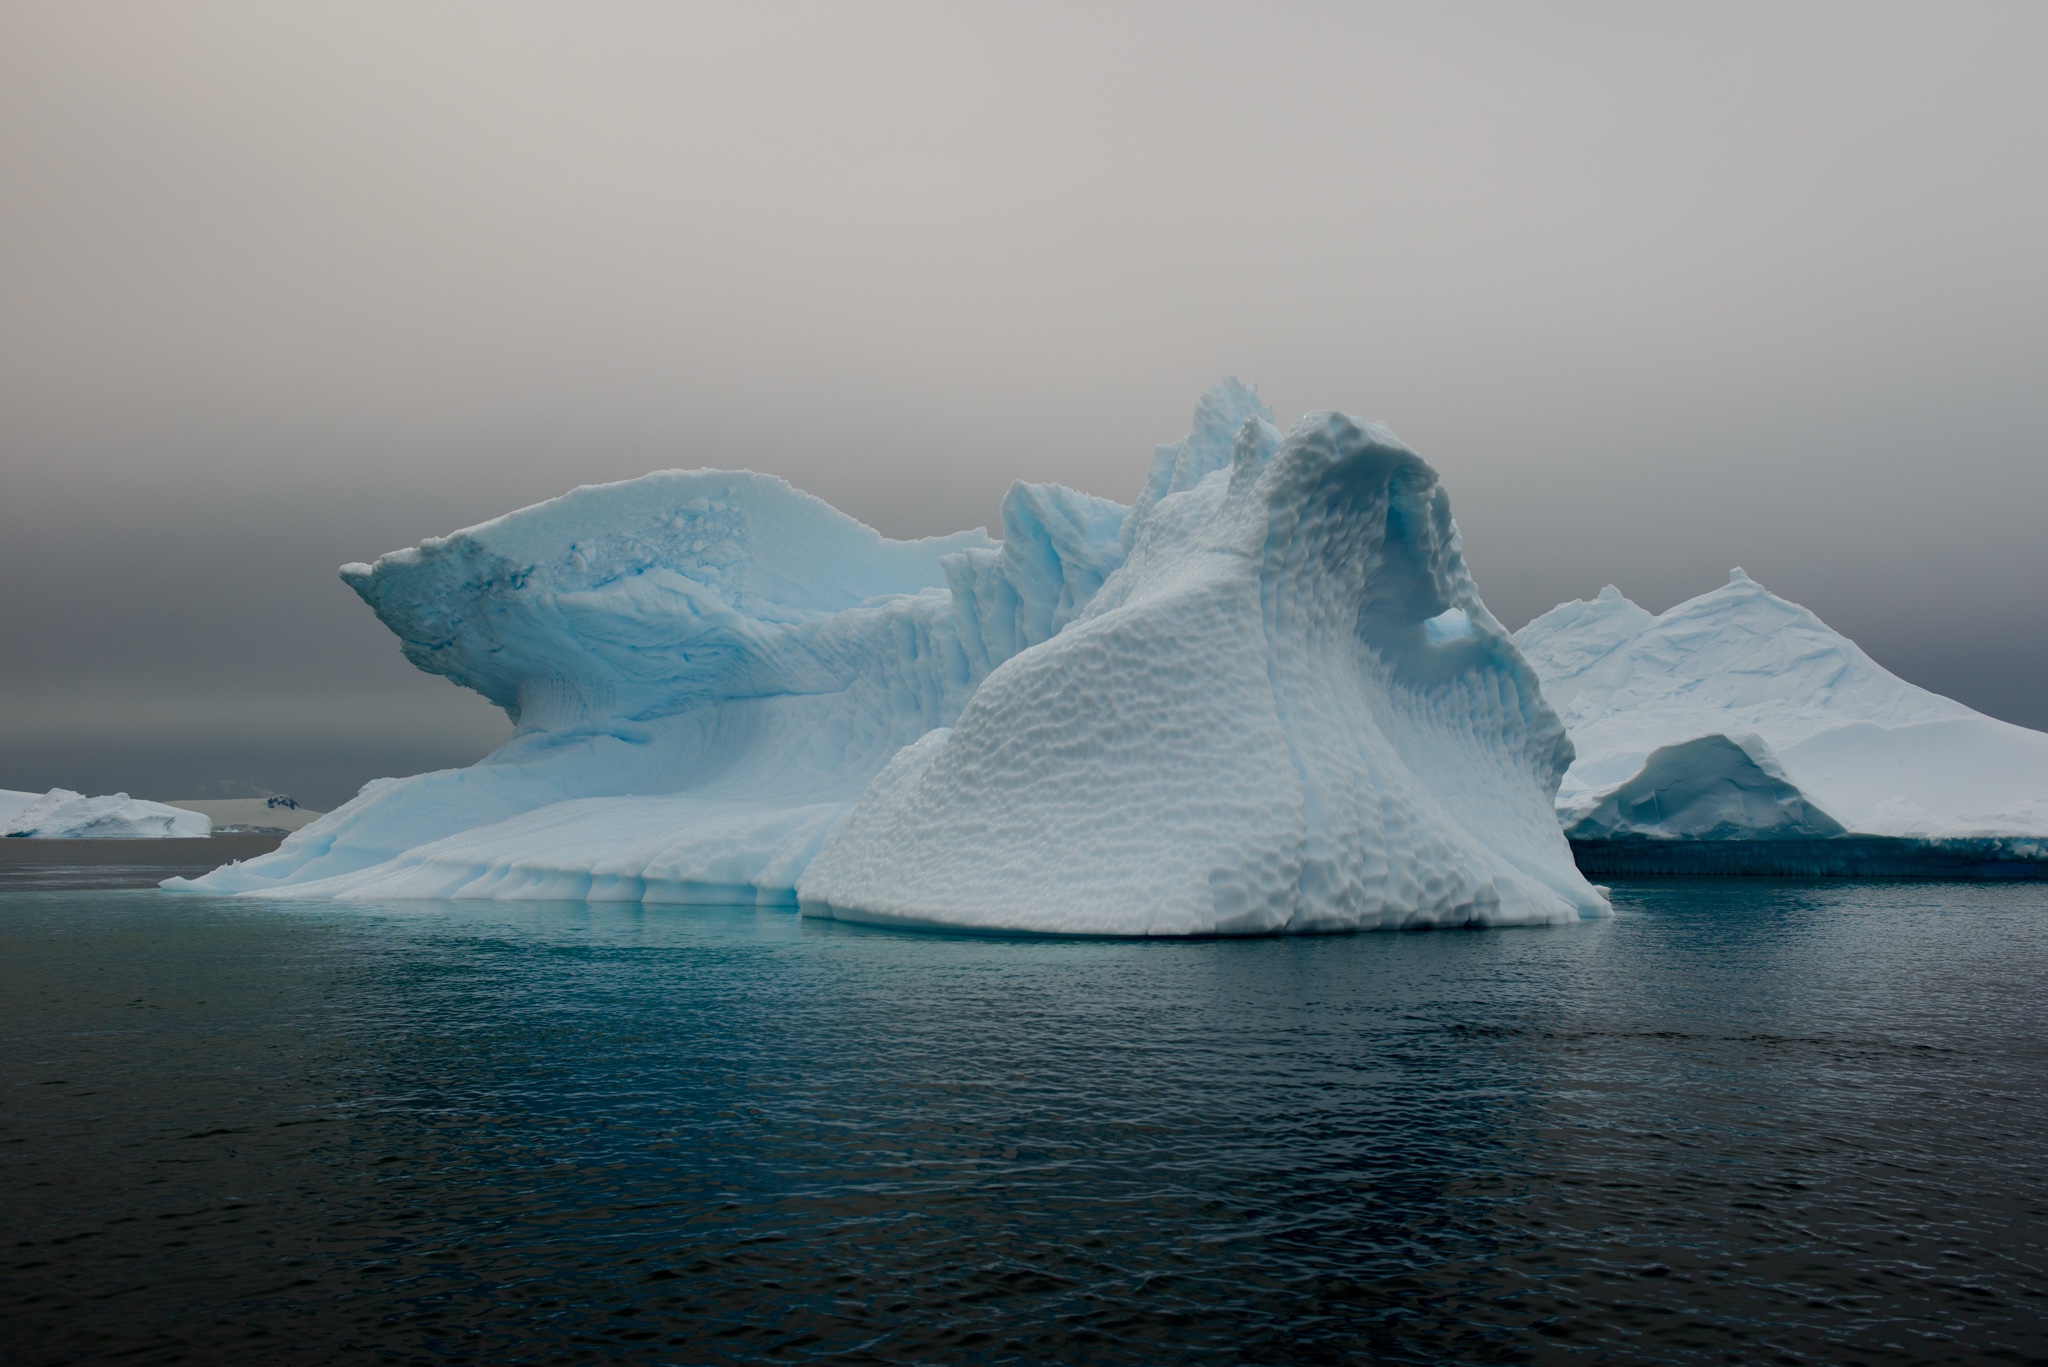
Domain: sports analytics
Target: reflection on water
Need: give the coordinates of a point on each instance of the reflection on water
(1744, 1120)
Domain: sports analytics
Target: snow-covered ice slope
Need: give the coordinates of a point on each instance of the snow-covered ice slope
(1740, 716)
(1287, 711)
(61, 814)
(707, 669)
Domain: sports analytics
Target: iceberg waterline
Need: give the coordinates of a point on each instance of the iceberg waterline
(1264, 698)
(1740, 717)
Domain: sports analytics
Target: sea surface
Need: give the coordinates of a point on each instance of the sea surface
(1745, 1121)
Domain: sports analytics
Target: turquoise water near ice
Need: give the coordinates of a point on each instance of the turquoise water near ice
(1746, 1120)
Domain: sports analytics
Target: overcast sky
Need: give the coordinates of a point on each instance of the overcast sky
(1659, 290)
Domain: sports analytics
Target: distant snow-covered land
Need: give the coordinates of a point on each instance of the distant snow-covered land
(275, 813)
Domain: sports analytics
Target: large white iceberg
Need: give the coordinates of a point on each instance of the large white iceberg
(1266, 698)
(1738, 716)
(61, 814)
(1287, 711)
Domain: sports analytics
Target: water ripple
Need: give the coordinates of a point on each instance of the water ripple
(1743, 1121)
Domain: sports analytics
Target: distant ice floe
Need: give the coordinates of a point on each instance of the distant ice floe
(1738, 716)
(61, 814)
(1265, 698)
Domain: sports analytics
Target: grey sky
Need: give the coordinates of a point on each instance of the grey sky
(1659, 291)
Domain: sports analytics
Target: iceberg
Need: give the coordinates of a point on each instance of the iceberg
(1264, 698)
(1739, 717)
(61, 814)
(1287, 711)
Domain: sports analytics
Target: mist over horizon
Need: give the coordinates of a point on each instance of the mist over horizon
(1659, 293)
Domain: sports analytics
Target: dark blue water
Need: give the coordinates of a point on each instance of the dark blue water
(1745, 1121)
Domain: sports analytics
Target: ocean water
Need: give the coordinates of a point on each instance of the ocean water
(1745, 1121)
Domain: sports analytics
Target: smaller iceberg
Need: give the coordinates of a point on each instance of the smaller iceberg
(61, 814)
(1738, 719)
